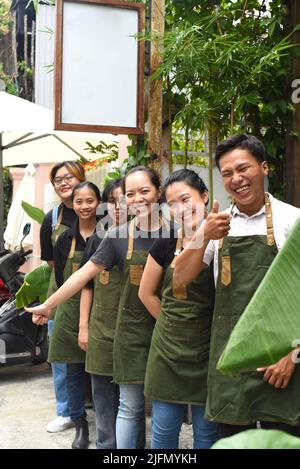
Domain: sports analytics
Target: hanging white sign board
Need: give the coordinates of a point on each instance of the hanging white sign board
(99, 64)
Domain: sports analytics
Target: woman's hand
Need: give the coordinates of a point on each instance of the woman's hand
(83, 337)
(39, 320)
(40, 310)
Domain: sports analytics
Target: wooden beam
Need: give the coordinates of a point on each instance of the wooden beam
(156, 86)
(292, 168)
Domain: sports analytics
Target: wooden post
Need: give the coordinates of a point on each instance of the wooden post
(156, 86)
(292, 170)
(25, 57)
(14, 48)
(32, 51)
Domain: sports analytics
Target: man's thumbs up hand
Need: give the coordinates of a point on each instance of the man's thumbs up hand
(215, 207)
(217, 224)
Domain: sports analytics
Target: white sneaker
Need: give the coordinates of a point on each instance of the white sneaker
(59, 424)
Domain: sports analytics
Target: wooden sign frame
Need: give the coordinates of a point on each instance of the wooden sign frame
(114, 102)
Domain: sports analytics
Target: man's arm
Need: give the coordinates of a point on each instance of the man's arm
(279, 374)
(74, 283)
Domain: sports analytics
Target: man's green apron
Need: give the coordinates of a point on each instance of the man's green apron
(178, 359)
(64, 346)
(102, 324)
(134, 323)
(246, 398)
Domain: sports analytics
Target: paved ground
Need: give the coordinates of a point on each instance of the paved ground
(27, 404)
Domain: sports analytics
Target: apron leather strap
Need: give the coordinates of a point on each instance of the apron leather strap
(59, 220)
(130, 240)
(72, 250)
(269, 220)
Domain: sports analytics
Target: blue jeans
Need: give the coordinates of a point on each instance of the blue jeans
(166, 425)
(59, 375)
(130, 415)
(76, 390)
(106, 402)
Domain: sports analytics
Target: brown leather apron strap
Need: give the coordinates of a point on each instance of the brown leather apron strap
(58, 223)
(72, 250)
(269, 220)
(130, 240)
(59, 219)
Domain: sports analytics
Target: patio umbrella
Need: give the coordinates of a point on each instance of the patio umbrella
(27, 124)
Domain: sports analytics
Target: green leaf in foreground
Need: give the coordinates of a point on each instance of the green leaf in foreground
(35, 213)
(269, 328)
(259, 439)
(35, 286)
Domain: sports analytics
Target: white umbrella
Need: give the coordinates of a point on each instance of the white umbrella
(32, 127)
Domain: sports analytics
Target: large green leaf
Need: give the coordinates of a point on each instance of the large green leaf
(259, 439)
(35, 286)
(35, 213)
(270, 326)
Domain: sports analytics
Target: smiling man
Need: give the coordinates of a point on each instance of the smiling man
(259, 226)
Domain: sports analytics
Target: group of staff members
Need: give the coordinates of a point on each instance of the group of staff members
(164, 301)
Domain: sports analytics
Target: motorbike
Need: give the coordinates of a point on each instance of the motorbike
(21, 341)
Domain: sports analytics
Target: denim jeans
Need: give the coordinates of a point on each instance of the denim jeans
(106, 402)
(131, 415)
(166, 425)
(59, 376)
(76, 390)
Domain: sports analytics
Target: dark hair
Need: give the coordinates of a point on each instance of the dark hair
(153, 176)
(110, 187)
(191, 178)
(89, 185)
(244, 142)
(72, 166)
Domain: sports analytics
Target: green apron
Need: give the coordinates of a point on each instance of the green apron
(134, 323)
(64, 346)
(99, 355)
(178, 358)
(246, 398)
(58, 230)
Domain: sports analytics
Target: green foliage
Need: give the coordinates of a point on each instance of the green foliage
(224, 68)
(34, 287)
(10, 86)
(4, 16)
(137, 155)
(106, 149)
(23, 68)
(259, 439)
(7, 193)
(35, 213)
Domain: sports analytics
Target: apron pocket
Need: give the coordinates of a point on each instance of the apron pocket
(226, 271)
(104, 277)
(136, 272)
(180, 293)
(75, 266)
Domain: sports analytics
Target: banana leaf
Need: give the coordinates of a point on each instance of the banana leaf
(35, 286)
(269, 327)
(35, 213)
(259, 439)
